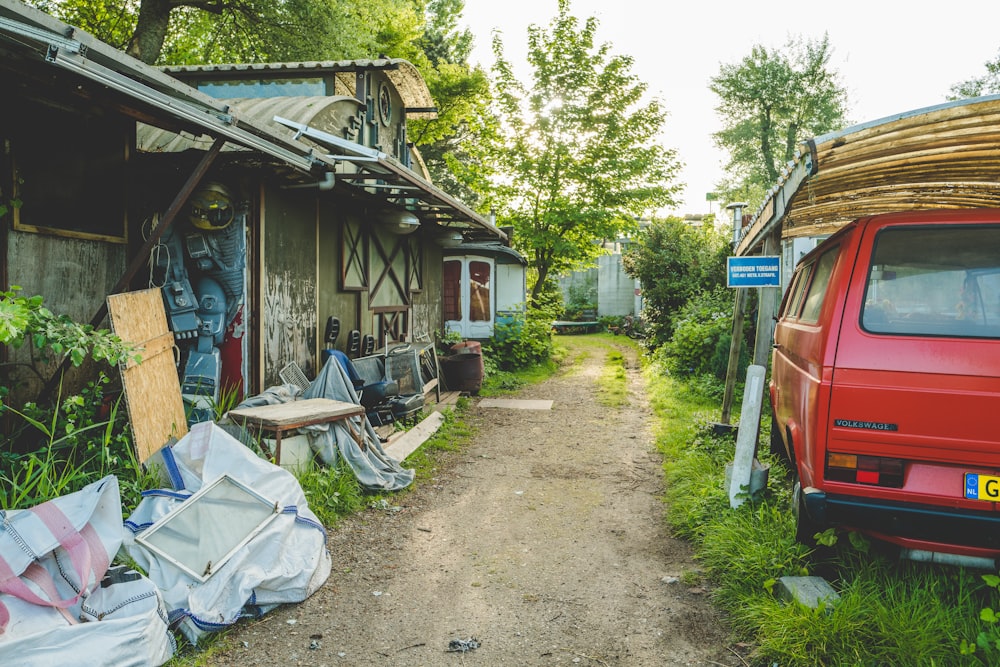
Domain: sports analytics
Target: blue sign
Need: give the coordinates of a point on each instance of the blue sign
(753, 272)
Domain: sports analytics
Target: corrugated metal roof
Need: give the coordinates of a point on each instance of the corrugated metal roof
(404, 76)
(358, 169)
(486, 248)
(32, 39)
(318, 111)
(943, 156)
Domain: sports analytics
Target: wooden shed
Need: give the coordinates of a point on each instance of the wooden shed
(283, 210)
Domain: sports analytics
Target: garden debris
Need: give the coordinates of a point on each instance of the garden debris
(462, 645)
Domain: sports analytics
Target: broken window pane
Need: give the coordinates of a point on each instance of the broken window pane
(202, 534)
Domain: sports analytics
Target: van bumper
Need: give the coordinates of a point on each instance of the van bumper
(909, 521)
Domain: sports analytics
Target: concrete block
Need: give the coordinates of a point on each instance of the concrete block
(758, 476)
(808, 591)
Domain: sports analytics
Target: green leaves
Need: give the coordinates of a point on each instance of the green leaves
(14, 318)
(676, 263)
(769, 102)
(24, 318)
(576, 149)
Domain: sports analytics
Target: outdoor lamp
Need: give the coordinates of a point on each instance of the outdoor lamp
(400, 222)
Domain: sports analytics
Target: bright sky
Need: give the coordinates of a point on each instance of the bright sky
(893, 55)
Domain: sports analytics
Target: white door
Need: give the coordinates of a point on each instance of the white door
(467, 298)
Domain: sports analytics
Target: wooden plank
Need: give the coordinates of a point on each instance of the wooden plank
(152, 388)
(448, 398)
(297, 413)
(411, 440)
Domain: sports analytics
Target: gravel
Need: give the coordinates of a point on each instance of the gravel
(544, 542)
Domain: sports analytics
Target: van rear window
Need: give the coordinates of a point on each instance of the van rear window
(935, 281)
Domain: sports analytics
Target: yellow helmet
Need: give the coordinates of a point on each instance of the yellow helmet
(212, 207)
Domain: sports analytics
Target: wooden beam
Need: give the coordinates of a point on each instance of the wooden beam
(141, 257)
(735, 346)
(768, 299)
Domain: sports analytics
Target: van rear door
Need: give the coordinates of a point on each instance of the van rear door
(917, 369)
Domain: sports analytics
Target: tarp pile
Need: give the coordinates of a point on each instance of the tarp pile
(374, 469)
(232, 537)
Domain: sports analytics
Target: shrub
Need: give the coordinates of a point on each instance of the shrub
(26, 319)
(702, 336)
(523, 341)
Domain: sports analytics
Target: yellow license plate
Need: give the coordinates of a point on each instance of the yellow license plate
(982, 487)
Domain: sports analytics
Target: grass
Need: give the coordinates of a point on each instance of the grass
(890, 612)
(613, 382)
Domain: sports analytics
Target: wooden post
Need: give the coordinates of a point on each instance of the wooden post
(768, 299)
(735, 346)
(737, 341)
(746, 438)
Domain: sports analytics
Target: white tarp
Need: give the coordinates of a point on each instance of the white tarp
(285, 562)
(374, 469)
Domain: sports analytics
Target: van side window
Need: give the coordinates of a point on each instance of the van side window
(817, 286)
(793, 296)
(798, 290)
(934, 281)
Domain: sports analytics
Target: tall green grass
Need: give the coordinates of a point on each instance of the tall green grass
(889, 612)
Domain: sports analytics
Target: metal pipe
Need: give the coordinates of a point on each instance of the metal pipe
(976, 562)
(329, 180)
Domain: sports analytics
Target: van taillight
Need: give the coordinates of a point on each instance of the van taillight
(864, 469)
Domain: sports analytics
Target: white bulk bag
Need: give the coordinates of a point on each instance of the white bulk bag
(61, 602)
(285, 561)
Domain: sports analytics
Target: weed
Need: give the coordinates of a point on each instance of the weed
(331, 491)
(614, 382)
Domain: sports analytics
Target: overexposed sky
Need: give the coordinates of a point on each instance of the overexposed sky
(892, 55)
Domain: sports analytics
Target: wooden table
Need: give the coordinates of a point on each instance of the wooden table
(282, 418)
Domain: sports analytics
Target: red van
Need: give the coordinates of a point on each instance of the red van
(885, 382)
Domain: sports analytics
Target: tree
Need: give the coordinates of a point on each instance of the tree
(987, 84)
(575, 153)
(181, 32)
(769, 102)
(674, 261)
(459, 90)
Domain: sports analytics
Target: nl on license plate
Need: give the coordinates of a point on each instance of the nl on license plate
(982, 487)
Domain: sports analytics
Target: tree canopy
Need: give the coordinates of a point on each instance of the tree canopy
(187, 32)
(768, 103)
(675, 261)
(575, 152)
(987, 84)
(460, 91)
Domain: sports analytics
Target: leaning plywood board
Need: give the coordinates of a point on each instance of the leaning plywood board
(152, 388)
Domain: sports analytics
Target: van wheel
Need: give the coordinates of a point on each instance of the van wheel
(777, 445)
(805, 527)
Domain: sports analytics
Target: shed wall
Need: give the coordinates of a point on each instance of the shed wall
(288, 326)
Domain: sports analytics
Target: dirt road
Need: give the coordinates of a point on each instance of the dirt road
(543, 543)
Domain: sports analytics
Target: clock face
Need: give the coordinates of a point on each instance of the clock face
(384, 104)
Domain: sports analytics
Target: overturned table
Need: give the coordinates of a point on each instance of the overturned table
(281, 418)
